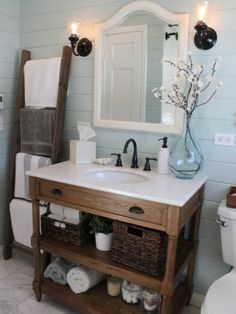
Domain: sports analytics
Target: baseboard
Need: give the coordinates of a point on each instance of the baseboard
(197, 300)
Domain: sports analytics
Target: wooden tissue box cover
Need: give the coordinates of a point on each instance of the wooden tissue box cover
(231, 197)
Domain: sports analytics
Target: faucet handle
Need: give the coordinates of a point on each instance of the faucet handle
(118, 161)
(147, 164)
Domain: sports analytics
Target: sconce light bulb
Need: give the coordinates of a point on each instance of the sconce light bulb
(202, 10)
(74, 28)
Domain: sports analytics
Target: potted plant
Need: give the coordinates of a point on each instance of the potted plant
(102, 228)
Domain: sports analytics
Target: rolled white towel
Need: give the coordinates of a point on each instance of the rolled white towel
(58, 270)
(81, 278)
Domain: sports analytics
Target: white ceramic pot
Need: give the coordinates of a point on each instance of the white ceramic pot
(103, 241)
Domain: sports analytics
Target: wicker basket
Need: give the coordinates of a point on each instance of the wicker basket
(231, 197)
(140, 248)
(66, 232)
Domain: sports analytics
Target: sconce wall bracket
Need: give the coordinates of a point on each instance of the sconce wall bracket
(205, 37)
(80, 47)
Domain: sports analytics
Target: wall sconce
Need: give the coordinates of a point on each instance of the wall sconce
(205, 37)
(80, 47)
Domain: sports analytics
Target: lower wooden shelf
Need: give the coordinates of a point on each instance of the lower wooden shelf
(94, 301)
(97, 301)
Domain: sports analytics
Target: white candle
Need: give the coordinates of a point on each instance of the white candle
(113, 286)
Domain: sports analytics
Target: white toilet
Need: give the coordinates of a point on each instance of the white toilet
(221, 296)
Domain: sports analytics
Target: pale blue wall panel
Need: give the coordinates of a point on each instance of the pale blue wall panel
(9, 44)
(9, 8)
(8, 54)
(80, 102)
(216, 191)
(206, 128)
(9, 24)
(221, 172)
(214, 152)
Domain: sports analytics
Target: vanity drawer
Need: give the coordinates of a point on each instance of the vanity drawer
(118, 207)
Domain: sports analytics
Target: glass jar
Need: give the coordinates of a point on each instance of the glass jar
(131, 293)
(113, 286)
(151, 300)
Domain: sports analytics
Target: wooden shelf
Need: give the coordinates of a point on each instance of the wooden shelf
(97, 301)
(94, 301)
(88, 255)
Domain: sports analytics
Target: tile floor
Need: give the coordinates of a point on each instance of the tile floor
(17, 297)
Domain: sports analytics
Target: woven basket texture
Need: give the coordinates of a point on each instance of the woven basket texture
(141, 248)
(71, 233)
(231, 197)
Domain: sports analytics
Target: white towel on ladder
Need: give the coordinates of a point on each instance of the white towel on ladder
(21, 220)
(41, 82)
(26, 162)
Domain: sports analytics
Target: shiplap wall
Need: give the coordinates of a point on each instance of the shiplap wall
(9, 44)
(43, 31)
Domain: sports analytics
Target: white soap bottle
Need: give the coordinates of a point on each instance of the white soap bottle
(162, 164)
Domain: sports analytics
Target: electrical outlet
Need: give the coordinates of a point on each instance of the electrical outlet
(1, 123)
(224, 139)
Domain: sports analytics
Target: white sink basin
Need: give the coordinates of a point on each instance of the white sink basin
(116, 176)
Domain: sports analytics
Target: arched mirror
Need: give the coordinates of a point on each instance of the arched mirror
(129, 51)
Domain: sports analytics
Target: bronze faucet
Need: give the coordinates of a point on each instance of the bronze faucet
(135, 156)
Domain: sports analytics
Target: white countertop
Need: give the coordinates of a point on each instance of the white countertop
(161, 188)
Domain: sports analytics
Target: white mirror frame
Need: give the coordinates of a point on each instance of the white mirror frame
(100, 30)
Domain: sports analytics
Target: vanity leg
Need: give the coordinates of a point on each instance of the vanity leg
(36, 250)
(193, 237)
(169, 275)
(166, 304)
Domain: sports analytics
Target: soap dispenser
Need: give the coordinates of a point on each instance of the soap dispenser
(162, 164)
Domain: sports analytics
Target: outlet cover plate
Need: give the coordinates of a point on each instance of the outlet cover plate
(224, 139)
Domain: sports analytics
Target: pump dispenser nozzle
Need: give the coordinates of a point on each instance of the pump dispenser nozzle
(164, 139)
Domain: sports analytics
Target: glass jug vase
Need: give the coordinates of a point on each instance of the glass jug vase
(186, 158)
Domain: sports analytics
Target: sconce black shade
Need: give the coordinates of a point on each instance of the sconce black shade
(205, 37)
(80, 47)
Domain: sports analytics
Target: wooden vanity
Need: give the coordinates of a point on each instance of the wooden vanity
(67, 187)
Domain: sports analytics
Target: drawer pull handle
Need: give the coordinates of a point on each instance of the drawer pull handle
(136, 210)
(57, 192)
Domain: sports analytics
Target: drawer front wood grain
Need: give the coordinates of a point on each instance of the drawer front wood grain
(90, 200)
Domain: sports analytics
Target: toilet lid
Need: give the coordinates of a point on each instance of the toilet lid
(221, 296)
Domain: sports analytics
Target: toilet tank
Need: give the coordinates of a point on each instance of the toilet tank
(228, 233)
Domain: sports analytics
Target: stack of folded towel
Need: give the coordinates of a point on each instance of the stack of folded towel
(82, 278)
(58, 270)
(65, 214)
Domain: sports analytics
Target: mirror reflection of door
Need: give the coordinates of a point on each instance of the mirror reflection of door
(125, 73)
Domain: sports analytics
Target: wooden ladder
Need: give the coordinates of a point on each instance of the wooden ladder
(9, 242)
